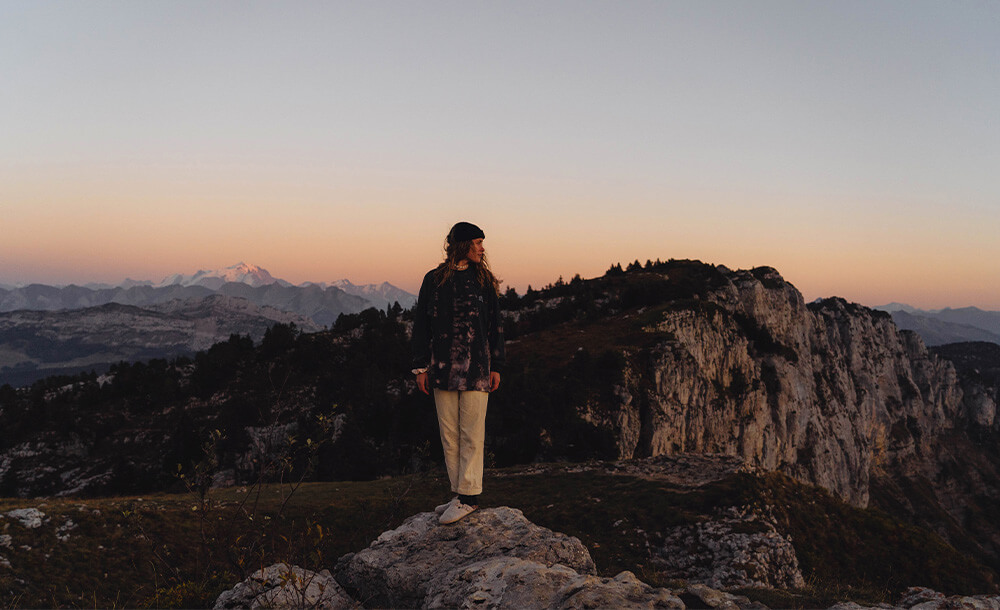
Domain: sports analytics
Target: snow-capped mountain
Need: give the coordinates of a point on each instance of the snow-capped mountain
(241, 273)
(321, 302)
(380, 295)
(242, 299)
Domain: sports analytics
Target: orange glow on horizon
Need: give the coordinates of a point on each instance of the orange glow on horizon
(95, 227)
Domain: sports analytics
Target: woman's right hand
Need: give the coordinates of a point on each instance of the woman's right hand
(422, 383)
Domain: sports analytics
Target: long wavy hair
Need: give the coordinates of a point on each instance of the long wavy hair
(455, 252)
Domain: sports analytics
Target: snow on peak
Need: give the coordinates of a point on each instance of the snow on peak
(241, 273)
(247, 274)
(379, 295)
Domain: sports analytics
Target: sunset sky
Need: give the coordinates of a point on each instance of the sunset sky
(854, 146)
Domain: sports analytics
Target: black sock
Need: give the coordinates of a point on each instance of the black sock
(469, 500)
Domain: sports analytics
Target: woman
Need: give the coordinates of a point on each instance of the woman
(458, 352)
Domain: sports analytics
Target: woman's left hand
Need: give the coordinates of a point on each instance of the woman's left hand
(494, 381)
(422, 384)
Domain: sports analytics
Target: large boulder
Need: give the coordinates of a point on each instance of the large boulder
(283, 586)
(404, 564)
(740, 548)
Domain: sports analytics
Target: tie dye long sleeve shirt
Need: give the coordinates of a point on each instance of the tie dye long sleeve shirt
(457, 333)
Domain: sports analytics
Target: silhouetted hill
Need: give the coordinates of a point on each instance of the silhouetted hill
(948, 325)
(935, 330)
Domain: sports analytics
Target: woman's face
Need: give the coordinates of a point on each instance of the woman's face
(476, 251)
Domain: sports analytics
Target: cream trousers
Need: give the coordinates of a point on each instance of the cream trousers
(462, 421)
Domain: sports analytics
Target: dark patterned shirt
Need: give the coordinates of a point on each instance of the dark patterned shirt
(457, 333)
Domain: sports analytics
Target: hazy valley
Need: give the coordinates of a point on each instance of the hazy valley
(47, 330)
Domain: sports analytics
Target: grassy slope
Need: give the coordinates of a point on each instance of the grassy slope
(168, 551)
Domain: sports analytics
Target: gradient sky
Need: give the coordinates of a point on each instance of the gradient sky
(854, 146)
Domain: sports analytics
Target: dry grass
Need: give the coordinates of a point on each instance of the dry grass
(171, 551)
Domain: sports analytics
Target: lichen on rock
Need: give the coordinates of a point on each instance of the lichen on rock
(740, 548)
(283, 586)
(30, 518)
(403, 564)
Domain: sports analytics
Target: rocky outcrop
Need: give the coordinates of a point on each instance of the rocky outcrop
(922, 598)
(30, 518)
(978, 366)
(507, 582)
(282, 586)
(406, 565)
(738, 549)
(822, 393)
(495, 558)
(830, 393)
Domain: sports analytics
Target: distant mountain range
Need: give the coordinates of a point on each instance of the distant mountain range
(38, 344)
(381, 295)
(322, 302)
(247, 296)
(943, 326)
(46, 330)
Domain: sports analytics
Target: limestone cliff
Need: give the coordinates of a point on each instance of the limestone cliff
(827, 392)
(830, 393)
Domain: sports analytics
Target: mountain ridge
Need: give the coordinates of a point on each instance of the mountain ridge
(36, 344)
(50, 297)
(311, 306)
(672, 358)
(948, 325)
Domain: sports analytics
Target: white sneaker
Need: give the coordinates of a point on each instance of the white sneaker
(440, 508)
(455, 512)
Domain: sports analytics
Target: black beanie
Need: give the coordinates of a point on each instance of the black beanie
(464, 231)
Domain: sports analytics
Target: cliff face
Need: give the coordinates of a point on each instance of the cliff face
(829, 393)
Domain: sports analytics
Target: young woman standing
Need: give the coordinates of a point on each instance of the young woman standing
(458, 353)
